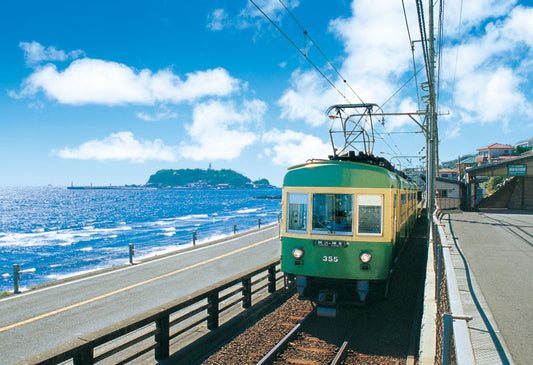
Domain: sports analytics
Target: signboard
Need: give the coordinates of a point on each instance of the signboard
(517, 170)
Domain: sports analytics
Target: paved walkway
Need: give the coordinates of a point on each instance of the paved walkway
(496, 287)
(38, 320)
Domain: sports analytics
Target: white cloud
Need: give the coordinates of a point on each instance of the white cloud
(217, 19)
(473, 13)
(92, 81)
(490, 82)
(250, 16)
(119, 146)
(291, 148)
(34, 53)
(307, 98)
(377, 57)
(220, 130)
(163, 114)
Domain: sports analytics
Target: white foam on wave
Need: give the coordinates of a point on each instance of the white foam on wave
(193, 216)
(65, 237)
(248, 210)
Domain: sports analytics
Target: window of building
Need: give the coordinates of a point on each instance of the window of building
(297, 204)
(370, 214)
(332, 213)
(443, 193)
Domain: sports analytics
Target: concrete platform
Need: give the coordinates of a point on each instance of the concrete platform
(492, 254)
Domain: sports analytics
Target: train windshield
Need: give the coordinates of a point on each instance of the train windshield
(297, 211)
(332, 213)
(369, 217)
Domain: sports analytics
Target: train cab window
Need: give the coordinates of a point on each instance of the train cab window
(370, 214)
(332, 213)
(297, 211)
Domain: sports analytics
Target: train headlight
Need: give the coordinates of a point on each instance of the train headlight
(297, 253)
(365, 257)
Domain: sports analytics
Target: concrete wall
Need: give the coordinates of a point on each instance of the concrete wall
(516, 194)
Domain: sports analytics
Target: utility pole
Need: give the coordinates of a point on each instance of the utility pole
(432, 120)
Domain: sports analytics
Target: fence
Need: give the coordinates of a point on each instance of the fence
(168, 328)
(453, 345)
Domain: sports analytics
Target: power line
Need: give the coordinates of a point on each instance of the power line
(306, 34)
(300, 51)
(412, 54)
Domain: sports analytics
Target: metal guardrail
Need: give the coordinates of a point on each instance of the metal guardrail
(165, 323)
(453, 339)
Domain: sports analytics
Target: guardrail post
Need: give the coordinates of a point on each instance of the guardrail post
(194, 237)
(16, 278)
(259, 223)
(84, 356)
(234, 229)
(447, 339)
(212, 310)
(132, 252)
(247, 292)
(272, 279)
(162, 337)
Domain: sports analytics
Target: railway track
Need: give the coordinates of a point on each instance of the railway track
(297, 347)
(383, 332)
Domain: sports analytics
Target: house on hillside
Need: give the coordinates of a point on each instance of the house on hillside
(448, 173)
(528, 143)
(494, 152)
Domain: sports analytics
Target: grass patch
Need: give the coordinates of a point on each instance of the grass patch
(5, 294)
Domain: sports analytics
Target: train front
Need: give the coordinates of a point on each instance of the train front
(337, 228)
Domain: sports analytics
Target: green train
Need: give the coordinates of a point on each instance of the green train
(344, 222)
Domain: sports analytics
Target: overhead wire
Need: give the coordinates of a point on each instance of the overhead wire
(320, 50)
(439, 57)
(300, 51)
(304, 54)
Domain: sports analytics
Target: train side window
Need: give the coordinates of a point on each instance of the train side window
(370, 214)
(332, 213)
(297, 211)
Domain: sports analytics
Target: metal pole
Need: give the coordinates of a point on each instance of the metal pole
(234, 229)
(194, 237)
(259, 223)
(16, 277)
(132, 252)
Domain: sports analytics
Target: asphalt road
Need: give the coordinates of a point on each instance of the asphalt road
(499, 250)
(38, 320)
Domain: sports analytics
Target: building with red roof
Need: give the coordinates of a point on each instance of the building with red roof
(494, 152)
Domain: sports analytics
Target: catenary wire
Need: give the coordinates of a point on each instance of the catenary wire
(300, 51)
(306, 34)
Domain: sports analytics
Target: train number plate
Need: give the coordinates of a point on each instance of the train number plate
(325, 243)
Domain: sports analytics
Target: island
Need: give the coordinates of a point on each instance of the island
(204, 179)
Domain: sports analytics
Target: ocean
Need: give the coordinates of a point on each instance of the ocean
(54, 232)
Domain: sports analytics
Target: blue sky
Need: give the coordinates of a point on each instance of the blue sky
(108, 92)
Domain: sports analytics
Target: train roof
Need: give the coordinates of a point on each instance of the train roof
(345, 173)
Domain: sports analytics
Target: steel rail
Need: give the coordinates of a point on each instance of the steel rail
(271, 355)
(340, 354)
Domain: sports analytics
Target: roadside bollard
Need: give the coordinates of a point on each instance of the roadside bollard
(259, 223)
(234, 229)
(16, 277)
(194, 237)
(132, 252)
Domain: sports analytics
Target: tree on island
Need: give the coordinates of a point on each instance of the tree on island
(209, 177)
